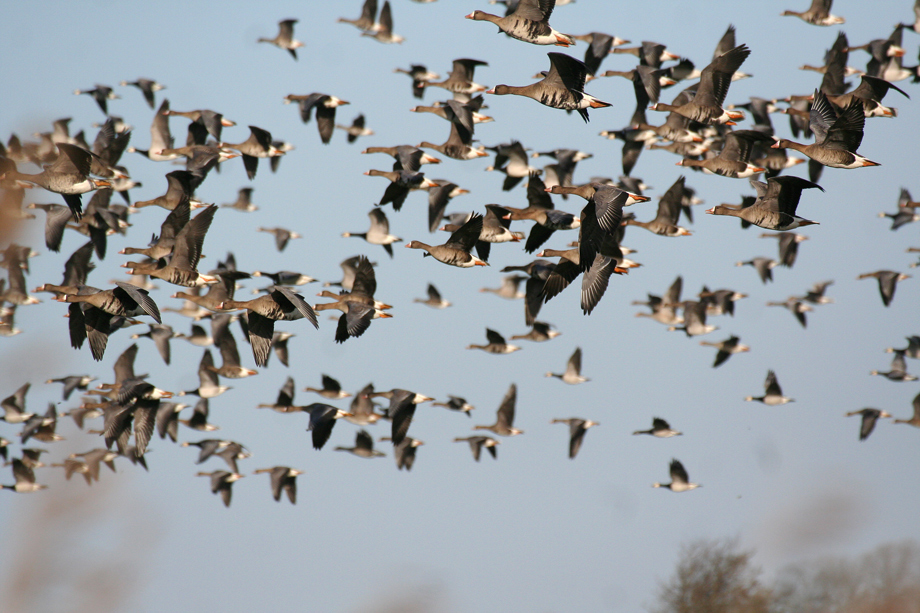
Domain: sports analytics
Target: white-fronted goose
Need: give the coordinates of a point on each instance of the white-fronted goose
(285, 400)
(504, 419)
(509, 287)
(788, 246)
(364, 446)
(496, 345)
(379, 232)
(478, 442)
(199, 418)
(540, 332)
(660, 429)
(73, 382)
(434, 299)
(25, 479)
(407, 157)
(773, 394)
(282, 236)
(401, 182)
(331, 389)
(285, 38)
(356, 129)
(694, 319)
(366, 21)
(456, 403)
(404, 453)
(727, 349)
(912, 350)
(706, 104)
(776, 203)
(577, 429)
(243, 201)
(401, 410)
(561, 88)
(421, 77)
(456, 251)
(358, 306)
(101, 94)
(160, 334)
(460, 80)
(382, 31)
(182, 267)
(665, 221)
(148, 87)
(322, 420)
(511, 159)
(887, 282)
(222, 482)
(915, 418)
(734, 159)
(599, 45)
(680, 482)
(258, 145)
(14, 406)
(572, 374)
(837, 135)
(325, 106)
(282, 478)
(869, 417)
(167, 419)
(898, 370)
(763, 266)
(818, 14)
(649, 53)
(529, 22)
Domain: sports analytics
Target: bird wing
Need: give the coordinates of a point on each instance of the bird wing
(139, 296)
(678, 472)
(505, 413)
(717, 76)
(467, 235)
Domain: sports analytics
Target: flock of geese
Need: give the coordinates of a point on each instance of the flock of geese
(698, 128)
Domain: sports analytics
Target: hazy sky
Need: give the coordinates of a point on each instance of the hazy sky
(532, 531)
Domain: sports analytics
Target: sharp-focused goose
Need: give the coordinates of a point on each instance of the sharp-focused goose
(869, 417)
(680, 482)
(837, 136)
(561, 88)
(504, 420)
(706, 104)
(529, 22)
(660, 429)
(818, 14)
(282, 478)
(773, 394)
(887, 282)
(577, 429)
(285, 38)
(776, 203)
(572, 374)
(496, 345)
(734, 159)
(456, 251)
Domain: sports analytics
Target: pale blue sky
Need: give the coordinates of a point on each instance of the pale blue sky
(532, 531)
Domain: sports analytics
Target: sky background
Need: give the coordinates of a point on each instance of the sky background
(532, 531)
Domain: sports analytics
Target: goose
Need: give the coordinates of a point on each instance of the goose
(680, 482)
(509, 287)
(285, 277)
(358, 307)
(421, 77)
(459, 143)
(364, 446)
(496, 345)
(322, 420)
(496, 226)
(178, 192)
(383, 29)
(734, 159)
(460, 80)
(694, 319)
(773, 395)
(727, 349)
(572, 374)
(14, 406)
(404, 453)
(148, 87)
(167, 419)
(599, 46)
(285, 37)
(869, 417)
(401, 410)
(222, 483)
(870, 92)
(649, 53)
(285, 399)
(539, 332)
(912, 350)
(788, 246)
(898, 370)
(25, 479)
(401, 182)
(776, 204)
(443, 110)
(125, 300)
(902, 217)
(68, 175)
(837, 135)
(664, 308)
(258, 145)
(529, 22)
(764, 267)
(434, 299)
(331, 389)
(203, 120)
(228, 451)
(379, 232)
(407, 157)
(504, 419)
(915, 418)
(182, 267)
(511, 160)
(561, 88)
(365, 22)
(660, 429)
(706, 104)
(101, 94)
(282, 236)
(94, 458)
(325, 106)
(577, 429)
(243, 201)
(665, 221)
(282, 478)
(720, 301)
(478, 442)
(887, 283)
(456, 403)
(160, 334)
(72, 383)
(356, 129)
(280, 303)
(363, 409)
(56, 218)
(796, 307)
(818, 14)
(199, 418)
(456, 251)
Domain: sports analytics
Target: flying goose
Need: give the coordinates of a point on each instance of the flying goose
(680, 482)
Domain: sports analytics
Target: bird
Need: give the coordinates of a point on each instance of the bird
(504, 418)
(364, 446)
(915, 418)
(322, 420)
(887, 283)
(401, 183)
(14, 406)
(72, 383)
(869, 417)
(208, 382)
(734, 158)
(496, 344)
(383, 29)
(356, 129)
(258, 145)
(773, 395)
(460, 80)
(148, 87)
(478, 442)
(727, 348)
(404, 453)
(796, 306)
(359, 308)
(160, 334)
(818, 14)
(706, 104)
(222, 483)
(660, 429)
(912, 350)
(788, 246)
(539, 332)
(898, 370)
(25, 479)
(456, 403)
(665, 221)
(365, 22)
(379, 232)
(837, 135)
(561, 88)
(331, 389)
(694, 319)
(285, 38)
(763, 266)
(577, 429)
(282, 236)
(282, 478)
(101, 94)
(529, 22)
(325, 106)
(434, 299)
(401, 410)
(456, 251)
(572, 374)
(680, 482)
